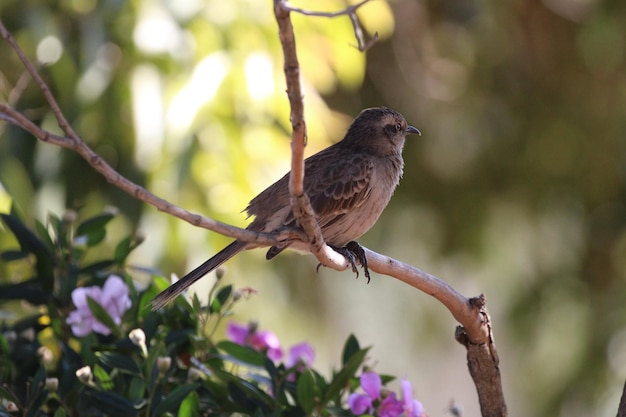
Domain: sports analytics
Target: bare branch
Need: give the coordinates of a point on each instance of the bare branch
(621, 410)
(299, 201)
(40, 83)
(349, 11)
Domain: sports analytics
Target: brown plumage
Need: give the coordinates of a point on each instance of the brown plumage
(349, 184)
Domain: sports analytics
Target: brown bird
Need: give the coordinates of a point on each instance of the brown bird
(349, 184)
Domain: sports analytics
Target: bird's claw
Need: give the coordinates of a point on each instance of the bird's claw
(354, 253)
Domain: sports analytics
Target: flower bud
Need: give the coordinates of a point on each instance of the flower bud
(46, 355)
(28, 334)
(193, 374)
(219, 272)
(9, 406)
(70, 216)
(163, 364)
(84, 375)
(237, 294)
(138, 337)
(52, 384)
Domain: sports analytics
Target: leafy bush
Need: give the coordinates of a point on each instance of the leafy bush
(89, 345)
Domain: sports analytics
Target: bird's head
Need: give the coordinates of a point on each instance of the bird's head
(380, 130)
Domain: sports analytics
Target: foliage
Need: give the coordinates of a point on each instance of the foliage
(94, 347)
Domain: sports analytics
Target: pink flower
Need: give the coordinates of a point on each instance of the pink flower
(371, 384)
(261, 341)
(362, 403)
(301, 355)
(390, 405)
(412, 408)
(113, 297)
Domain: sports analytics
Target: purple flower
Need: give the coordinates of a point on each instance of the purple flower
(412, 407)
(390, 406)
(360, 404)
(237, 333)
(371, 384)
(301, 355)
(261, 341)
(113, 297)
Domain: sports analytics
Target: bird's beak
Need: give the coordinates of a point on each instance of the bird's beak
(414, 130)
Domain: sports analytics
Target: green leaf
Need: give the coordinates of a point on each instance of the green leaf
(110, 403)
(221, 298)
(120, 362)
(243, 393)
(102, 378)
(123, 249)
(350, 348)
(190, 406)
(44, 235)
(97, 267)
(242, 354)
(12, 255)
(174, 398)
(102, 315)
(341, 379)
(94, 229)
(30, 243)
(60, 412)
(307, 392)
(137, 389)
(30, 291)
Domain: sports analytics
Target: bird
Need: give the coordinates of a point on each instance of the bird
(349, 184)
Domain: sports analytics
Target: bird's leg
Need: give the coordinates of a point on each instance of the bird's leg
(354, 253)
(358, 253)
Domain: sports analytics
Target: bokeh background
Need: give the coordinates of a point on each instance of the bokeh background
(516, 188)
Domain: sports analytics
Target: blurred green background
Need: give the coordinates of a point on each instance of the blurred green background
(516, 188)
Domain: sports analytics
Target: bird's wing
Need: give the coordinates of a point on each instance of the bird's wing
(335, 181)
(340, 187)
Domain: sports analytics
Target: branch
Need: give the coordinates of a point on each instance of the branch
(621, 410)
(476, 334)
(349, 11)
(73, 142)
(300, 203)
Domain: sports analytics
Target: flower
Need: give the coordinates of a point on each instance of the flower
(113, 297)
(301, 355)
(362, 403)
(164, 364)
(385, 404)
(84, 375)
(261, 341)
(412, 407)
(390, 406)
(138, 337)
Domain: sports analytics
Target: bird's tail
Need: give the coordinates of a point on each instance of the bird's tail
(178, 287)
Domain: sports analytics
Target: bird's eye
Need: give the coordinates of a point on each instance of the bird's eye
(398, 127)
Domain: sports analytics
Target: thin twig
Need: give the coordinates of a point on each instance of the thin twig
(348, 11)
(63, 123)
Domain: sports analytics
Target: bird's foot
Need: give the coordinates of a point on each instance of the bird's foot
(354, 253)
